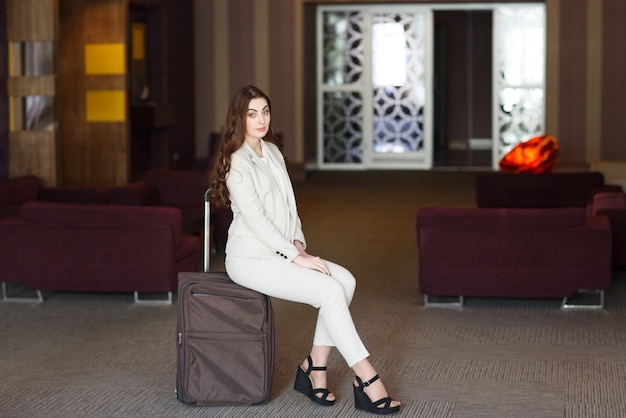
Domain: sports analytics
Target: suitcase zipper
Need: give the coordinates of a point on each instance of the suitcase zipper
(220, 295)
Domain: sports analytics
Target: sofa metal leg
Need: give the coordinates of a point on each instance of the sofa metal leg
(458, 304)
(38, 298)
(593, 306)
(167, 301)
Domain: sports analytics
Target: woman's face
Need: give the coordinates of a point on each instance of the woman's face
(257, 118)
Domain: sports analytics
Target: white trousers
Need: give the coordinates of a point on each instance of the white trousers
(331, 294)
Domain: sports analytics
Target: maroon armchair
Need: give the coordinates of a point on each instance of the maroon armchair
(613, 206)
(16, 191)
(525, 253)
(96, 248)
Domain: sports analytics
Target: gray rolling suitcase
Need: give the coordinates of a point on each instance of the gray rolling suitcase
(225, 338)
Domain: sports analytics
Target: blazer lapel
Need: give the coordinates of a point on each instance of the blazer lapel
(291, 200)
(288, 197)
(258, 163)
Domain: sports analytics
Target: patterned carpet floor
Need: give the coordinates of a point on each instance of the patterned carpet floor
(101, 355)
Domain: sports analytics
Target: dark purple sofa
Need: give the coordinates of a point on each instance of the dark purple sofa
(96, 248)
(547, 190)
(512, 252)
(180, 188)
(16, 191)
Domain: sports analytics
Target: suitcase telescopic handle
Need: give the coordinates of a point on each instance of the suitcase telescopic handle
(207, 229)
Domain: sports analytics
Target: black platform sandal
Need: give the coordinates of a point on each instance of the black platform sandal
(362, 401)
(304, 385)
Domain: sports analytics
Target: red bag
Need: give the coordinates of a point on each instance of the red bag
(537, 155)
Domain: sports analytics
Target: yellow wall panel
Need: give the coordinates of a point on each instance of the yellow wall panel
(106, 105)
(139, 41)
(105, 59)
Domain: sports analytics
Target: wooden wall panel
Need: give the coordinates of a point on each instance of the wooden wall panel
(106, 21)
(92, 153)
(44, 85)
(31, 20)
(4, 99)
(71, 94)
(107, 160)
(34, 152)
(106, 82)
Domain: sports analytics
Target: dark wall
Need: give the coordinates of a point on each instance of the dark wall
(310, 85)
(180, 79)
(170, 74)
(482, 71)
(572, 82)
(462, 73)
(614, 81)
(241, 45)
(282, 76)
(451, 57)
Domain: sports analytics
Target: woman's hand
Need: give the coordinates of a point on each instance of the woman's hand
(311, 262)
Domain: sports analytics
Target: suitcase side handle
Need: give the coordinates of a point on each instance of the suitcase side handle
(207, 229)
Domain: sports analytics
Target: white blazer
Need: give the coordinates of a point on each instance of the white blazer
(265, 217)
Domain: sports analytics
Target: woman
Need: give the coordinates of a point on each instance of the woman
(265, 250)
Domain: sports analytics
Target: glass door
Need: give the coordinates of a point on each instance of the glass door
(519, 76)
(399, 81)
(375, 82)
(373, 101)
(341, 87)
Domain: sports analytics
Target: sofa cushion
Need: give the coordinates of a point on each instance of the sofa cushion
(536, 190)
(19, 190)
(139, 193)
(89, 195)
(605, 201)
(179, 187)
(72, 214)
(501, 217)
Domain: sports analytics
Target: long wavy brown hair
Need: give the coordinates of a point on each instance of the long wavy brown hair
(232, 138)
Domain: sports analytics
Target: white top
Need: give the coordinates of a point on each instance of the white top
(279, 174)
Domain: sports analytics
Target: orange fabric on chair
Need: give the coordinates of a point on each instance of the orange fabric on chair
(537, 155)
